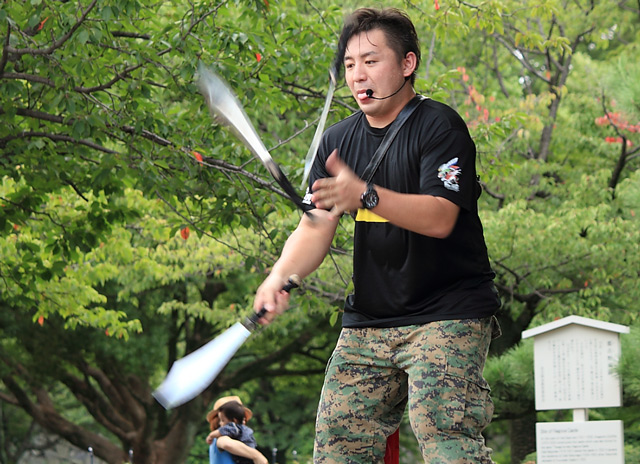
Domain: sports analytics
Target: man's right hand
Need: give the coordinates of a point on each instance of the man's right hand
(271, 296)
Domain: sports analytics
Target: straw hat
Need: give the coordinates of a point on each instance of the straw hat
(212, 416)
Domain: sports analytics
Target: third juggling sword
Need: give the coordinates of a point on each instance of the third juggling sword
(191, 375)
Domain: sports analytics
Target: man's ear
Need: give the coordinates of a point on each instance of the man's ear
(409, 64)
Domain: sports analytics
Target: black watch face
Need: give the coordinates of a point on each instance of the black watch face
(370, 199)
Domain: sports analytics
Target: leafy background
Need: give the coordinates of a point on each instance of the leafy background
(135, 228)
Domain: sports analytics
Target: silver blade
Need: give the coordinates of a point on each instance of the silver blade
(315, 143)
(191, 375)
(225, 106)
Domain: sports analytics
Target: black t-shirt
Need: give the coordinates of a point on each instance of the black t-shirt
(401, 277)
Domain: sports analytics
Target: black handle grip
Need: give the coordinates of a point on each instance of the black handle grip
(251, 322)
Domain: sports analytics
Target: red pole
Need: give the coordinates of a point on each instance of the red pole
(392, 454)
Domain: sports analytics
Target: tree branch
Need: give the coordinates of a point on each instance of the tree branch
(622, 158)
(41, 115)
(498, 196)
(261, 365)
(105, 413)
(118, 77)
(5, 54)
(9, 399)
(55, 138)
(28, 77)
(57, 43)
(130, 35)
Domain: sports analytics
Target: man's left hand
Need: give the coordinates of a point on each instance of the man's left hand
(341, 192)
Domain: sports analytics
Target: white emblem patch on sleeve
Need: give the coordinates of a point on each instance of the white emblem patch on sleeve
(449, 174)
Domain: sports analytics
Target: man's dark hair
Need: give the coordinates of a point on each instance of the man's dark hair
(233, 411)
(397, 27)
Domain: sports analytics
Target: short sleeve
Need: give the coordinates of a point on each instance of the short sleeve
(218, 456)
(447, 169)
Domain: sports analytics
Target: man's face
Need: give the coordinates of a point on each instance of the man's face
(371, 64)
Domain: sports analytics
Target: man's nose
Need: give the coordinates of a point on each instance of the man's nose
(359, 72)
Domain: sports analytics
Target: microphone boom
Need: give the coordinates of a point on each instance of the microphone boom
(369, 92)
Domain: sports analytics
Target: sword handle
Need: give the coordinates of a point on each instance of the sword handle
(251, 322)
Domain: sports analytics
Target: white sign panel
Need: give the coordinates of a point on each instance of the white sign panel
(598, 442)
(575, 368)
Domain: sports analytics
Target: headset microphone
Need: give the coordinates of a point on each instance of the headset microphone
(369, 92)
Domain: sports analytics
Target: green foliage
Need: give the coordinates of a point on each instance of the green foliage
(100, 122)
(628, 366)
(511, 378)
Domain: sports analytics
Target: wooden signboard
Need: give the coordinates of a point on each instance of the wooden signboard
(574, 363)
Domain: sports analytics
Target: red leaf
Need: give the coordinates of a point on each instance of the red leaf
(41, 320)
(258, 57)
(184, 233)
(197, 156)
(437, 4)
(41, 25)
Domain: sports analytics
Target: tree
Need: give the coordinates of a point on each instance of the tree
(106, 145)
(182, 289)
(104, 95)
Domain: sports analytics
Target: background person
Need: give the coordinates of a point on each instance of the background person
(223, 449)
(232, 424)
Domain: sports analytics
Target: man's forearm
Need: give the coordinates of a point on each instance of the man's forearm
(307, 246)
(424, 214)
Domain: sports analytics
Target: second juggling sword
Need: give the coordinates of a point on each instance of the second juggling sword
(191, 375)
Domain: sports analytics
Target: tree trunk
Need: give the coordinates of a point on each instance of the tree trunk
(522, 437)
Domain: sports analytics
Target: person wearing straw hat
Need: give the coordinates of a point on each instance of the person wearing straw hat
(222, 449)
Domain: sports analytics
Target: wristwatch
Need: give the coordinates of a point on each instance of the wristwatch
(369, 198)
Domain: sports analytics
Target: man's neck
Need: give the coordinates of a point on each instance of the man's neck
(397, 103)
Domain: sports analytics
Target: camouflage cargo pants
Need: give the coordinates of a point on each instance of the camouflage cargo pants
(435, 367)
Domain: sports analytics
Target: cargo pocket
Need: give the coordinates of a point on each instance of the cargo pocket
(464, 406)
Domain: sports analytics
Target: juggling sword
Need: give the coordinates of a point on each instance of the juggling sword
(315, 143)
(191, 375)
(224, 104)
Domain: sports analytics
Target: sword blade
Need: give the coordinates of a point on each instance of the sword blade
(225, 106)
(315, 142)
